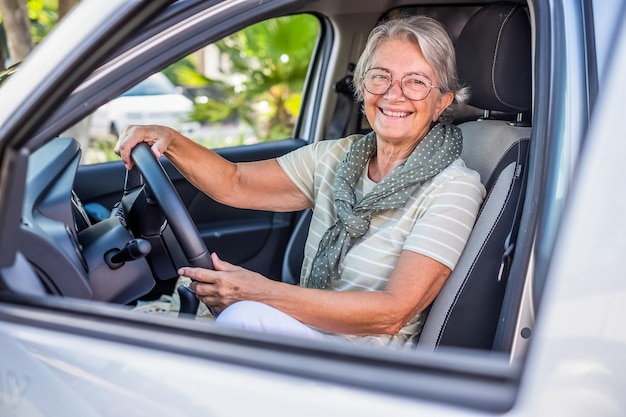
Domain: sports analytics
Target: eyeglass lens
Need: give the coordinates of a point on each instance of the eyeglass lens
(414, 86)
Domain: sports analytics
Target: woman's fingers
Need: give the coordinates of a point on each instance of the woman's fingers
(225, 284)
(207, 275)
(197, 274)
(158, 137)
(129, 137)
(221, 265)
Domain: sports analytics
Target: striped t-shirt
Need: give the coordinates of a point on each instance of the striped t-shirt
(435, 221)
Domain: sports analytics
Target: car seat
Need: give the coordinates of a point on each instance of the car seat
(494, 59)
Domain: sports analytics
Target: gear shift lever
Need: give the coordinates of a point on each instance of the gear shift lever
(188, 302)
(134, 249)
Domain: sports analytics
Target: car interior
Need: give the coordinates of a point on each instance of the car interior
(109, 260)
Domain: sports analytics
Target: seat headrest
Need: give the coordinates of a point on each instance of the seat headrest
(493, 54)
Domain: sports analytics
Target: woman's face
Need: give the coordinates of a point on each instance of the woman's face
(393, 117)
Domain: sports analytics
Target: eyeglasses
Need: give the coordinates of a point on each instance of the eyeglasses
(414, 86)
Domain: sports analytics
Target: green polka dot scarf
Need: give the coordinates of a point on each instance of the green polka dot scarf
(441, 146)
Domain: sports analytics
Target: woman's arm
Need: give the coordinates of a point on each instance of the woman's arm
(413, 285)
(261, 185)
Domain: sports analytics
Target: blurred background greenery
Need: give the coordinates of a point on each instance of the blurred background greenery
(267, 64)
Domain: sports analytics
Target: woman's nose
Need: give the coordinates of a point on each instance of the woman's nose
(395, 89)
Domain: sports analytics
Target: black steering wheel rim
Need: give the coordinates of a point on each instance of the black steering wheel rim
(170, 203)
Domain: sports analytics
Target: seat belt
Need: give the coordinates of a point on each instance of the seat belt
(346, 107)
(511, 237)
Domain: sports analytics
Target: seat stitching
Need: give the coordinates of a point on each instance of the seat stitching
(495, 53)
(484, 241)
(473, 265)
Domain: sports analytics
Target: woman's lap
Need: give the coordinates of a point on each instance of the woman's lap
(259, 317)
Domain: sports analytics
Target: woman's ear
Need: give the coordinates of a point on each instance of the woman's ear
(445, 100)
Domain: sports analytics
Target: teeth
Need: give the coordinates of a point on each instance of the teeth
(394, 113)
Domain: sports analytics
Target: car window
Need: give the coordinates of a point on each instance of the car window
(153, 86)
(243, 89)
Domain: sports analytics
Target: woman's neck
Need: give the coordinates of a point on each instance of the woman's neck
(386, 159)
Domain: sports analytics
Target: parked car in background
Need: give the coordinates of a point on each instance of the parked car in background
(530, 323)
(155, 100)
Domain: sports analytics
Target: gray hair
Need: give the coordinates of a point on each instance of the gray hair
(436, 46)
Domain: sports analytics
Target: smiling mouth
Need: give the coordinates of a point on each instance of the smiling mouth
(394, 113)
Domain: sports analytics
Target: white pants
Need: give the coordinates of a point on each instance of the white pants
(259, 317)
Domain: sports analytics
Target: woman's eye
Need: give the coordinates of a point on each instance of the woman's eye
(416, 82)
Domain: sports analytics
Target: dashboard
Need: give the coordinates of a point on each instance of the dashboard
(70, 255)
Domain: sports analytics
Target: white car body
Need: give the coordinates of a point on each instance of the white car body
(68, 357)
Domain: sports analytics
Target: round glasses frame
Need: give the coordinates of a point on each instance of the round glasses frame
(425, 92)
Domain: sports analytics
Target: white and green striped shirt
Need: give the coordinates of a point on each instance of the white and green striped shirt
(436, 222)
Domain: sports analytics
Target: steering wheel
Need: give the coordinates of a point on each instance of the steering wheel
(182, 226)
(172, 207)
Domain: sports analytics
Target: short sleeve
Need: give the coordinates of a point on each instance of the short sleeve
(442, 232)
(312, 165)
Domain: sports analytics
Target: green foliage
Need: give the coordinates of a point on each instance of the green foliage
(43, 15)
(184, 72)
(6, 73)
(101, 149)
(263, 82)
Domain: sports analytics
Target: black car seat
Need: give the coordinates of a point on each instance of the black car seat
(494, 59)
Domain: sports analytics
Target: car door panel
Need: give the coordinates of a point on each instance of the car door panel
(251, 238)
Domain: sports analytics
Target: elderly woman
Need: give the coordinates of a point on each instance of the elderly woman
(392, 209)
